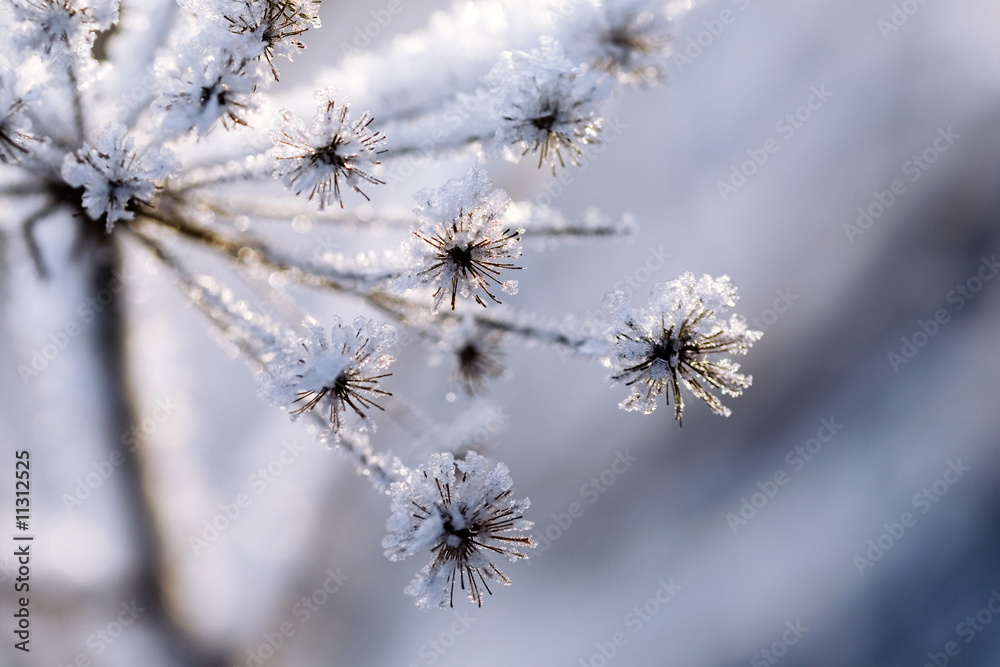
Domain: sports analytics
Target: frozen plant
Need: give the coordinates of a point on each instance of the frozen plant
(332, 372)
(335, 149)
(476, 355)
(679, 339)
(461, 238)
(115, 177)
(160, 128)
(462, 514)
(545, 104)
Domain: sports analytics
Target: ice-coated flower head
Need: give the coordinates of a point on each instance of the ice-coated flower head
(629, 40)
(462, 240)
(475, 353)
(544, 105)
(332, 372)
(272, 27)
(335, 149)
(56, 28)
(462, 512)
(679, 339)
(202, 89)
(13, 124)
(115, 176)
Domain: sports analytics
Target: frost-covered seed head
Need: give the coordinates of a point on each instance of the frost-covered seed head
(461, 512)
(630, 44)
(332, 372)
(273, 26)
(475, 363)
(201, 90)
(53, 28)
(462, 240)
(677, 340)
(115, 176)
(464, 257)
(335, 148)
(13, 125)
(476, 355)
(544, 104)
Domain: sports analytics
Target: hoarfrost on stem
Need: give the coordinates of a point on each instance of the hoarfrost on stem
(484, 78)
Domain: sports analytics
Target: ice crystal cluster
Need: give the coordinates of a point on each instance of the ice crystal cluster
(679, 339)
(115, 177)
(334, 149)
(463, 513)
(166, 128)
(332, 372)
(545, 104)
(462, 241)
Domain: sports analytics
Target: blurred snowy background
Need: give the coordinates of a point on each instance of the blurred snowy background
(792, 580)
